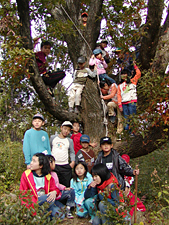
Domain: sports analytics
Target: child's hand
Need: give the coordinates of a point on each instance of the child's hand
(94, 144)
(72, 164)
(102, 59)
(121, 109)
(67, 188)
(92, 184)
(136, 172)
(92, 57)
(134, 63)
(51, 196)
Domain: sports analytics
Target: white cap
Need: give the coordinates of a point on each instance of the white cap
(67, 123)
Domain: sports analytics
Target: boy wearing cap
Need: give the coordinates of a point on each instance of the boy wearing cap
(114, 161)
(97, 60)
(105, 54)
(35, 140)
(84, 16)
(62, 148)
(79, 80)
(85, 154)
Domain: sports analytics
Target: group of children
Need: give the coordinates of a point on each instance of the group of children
(121, 98)
(49, 172)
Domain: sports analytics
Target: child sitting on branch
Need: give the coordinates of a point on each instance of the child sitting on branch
(49, 78)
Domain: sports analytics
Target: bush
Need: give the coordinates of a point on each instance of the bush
(13, 212)
(11, 165)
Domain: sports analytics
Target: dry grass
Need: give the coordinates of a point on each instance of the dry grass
(76, 221)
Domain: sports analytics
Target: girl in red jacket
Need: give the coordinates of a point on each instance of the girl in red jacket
(41, 183)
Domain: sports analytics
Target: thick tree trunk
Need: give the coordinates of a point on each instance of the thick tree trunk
(152, 32)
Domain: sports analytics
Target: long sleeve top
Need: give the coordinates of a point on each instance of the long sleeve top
(35, 142)
(127, 93)
(101, 65)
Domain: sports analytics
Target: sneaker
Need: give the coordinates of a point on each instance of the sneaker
(50, 90)
(112, 119)
(90, 221)
(132, 135)
(76, 110)
(69, 215)
(70, 109)
(118, 137)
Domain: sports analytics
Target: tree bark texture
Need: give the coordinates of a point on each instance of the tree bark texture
(152, 32)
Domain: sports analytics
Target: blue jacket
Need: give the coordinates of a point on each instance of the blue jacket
(80, 186)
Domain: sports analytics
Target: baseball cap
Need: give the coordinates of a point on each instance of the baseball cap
(97, 51)
(85, 138)
(67, 123)
(126, 158)
(105, 139)
(38, 116)
(81, 59)
(84, 14)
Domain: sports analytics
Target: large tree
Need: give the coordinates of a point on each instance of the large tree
(63, 24)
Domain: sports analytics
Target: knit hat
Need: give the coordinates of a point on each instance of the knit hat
(85, 138)
(38, 116)
(104, 41)
(126, 158)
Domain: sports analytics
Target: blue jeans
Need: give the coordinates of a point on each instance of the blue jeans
(97, 220)
(129, 109)
(104, 75)
(70, 196)
(52, 207)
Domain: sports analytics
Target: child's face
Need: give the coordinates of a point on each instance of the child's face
(85, 145)
(37, 123)
(84, 18)
(65, 130)
(52, 165)
(81, 65)
(34, 165)
(103, 45)
(80, 170)
(76, 127)
(124, 76)
(99, 56)
(46, 49)
(97, 179)
(106, 147)
(106, 87)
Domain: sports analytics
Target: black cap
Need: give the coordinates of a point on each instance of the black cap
(105, 139)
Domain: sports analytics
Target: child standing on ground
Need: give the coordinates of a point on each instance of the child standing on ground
(50, 79)
(79, 81)
(79, 183)
(97, 60)
(35, 140)
(66, 193)
(41, 183)
(62, 149)
(115, 164)
(76, 138)
(85, 154)
(127, 93)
